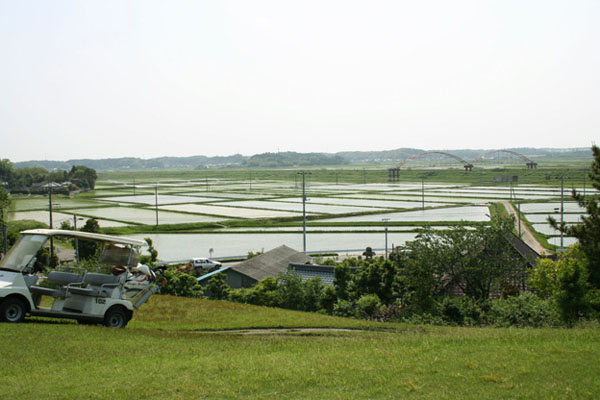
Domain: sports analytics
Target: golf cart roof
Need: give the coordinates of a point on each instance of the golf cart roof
(86, 235)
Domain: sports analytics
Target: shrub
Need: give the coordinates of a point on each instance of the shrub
(462, 310)
(291, 291)
(452, 310)
(217, 288)
(240, 295)
(265, 293)
(313, 293)
(592, 299)
(181, 284)
(343, 308)
(523, 310)
(368, 306)
(571, 294)
(328, 299)
(389, 313)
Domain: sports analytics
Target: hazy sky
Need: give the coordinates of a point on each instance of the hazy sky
(96, 79)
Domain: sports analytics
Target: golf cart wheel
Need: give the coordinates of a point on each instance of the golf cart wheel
(13, 310)
(116, 317)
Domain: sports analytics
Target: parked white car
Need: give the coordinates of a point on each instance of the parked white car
(204, 263)
(75, 292)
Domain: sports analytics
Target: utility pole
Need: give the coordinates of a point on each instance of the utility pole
(519, 215)
(76, 240)
(422, 194)
(304, 173)
(156, 202)
(584, 173)
(51, 261)
(562, 211)
(4, 227)
(385, 222)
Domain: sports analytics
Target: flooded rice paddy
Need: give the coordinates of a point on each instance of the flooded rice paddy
(182, 246)
(117, 204)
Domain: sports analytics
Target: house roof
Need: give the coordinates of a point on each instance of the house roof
(271, 263)
(325, 272)
(528, 253)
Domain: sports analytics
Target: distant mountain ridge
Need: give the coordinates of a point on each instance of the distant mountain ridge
(285, 159)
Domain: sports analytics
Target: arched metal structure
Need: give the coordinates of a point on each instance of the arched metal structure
(529, 162)
(394, 173)
(468, 166)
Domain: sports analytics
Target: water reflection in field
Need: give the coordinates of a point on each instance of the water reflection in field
(231, 212)
(469, 213)
(550, 207)
(162, 199)
(363, 202)
(539, 218)
(182, 246)
(57, 219)
(145, 216)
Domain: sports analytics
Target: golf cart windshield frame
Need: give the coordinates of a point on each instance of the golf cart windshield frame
(22, 256)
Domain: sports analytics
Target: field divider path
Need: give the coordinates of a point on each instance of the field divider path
(526, 234)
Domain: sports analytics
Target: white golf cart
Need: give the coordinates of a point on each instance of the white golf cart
(69, 290)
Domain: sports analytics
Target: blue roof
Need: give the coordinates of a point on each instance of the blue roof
(203, 277)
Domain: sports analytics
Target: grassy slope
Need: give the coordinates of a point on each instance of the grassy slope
(154, 358)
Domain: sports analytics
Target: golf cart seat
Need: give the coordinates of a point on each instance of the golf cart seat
(99, 285)
(64, 278)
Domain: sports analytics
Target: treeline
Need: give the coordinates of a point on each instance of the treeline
(457, 277)
(37, 179)
(133, 163)
(292, 159)
(284, 159)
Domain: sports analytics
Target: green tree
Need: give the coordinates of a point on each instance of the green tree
(6, 170)
(379, 278)
(572, 290)
(265, 293)
(421, 277)
(217, 288)
(490, 260)
(152, 253)
(544, 277)
(475, 261)
(342, 276)
(291, 291)
(87, 248)
(4, 203)
(313, 293)
(588, 231)
(86, 176)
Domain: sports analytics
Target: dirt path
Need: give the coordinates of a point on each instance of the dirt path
(526, 234)
(279, 331)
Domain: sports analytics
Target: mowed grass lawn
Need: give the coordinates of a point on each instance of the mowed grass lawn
(175, 349)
